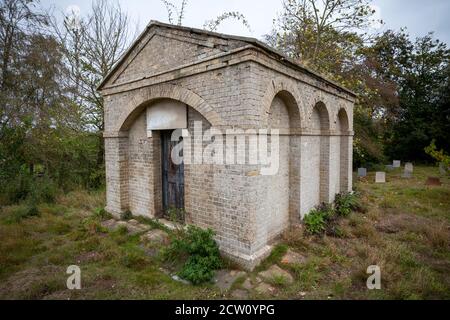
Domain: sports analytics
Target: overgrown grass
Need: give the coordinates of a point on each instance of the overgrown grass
(35, 252)
(404, 228)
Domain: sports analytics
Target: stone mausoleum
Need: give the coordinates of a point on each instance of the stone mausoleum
(175, 77)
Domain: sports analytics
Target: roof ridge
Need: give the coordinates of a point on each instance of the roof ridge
(249, 40)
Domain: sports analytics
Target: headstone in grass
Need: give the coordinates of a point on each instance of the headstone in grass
(396, 163)
(442, 168)
(433, 181)
(380, 177)
(362, 172)
(409, 167)
(408, 172)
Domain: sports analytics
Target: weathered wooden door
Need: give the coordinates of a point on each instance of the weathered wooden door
(172, 175)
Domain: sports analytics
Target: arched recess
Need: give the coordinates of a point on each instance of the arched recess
(342, 123)
(147, 96)
(133, 160)
(283, 188)
(288, 92)
(147, 182)
(320, 127)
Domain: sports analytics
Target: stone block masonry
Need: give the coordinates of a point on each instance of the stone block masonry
(226, 82)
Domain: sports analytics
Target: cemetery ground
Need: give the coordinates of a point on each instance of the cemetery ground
(404, 229)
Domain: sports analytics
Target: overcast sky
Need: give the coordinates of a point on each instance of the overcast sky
(419, 16)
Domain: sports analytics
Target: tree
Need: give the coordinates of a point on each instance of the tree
(210, 25)
(321, 34)
(92, 46)
(423, 107)
(42, 144)
(18, 21)
(329, 36)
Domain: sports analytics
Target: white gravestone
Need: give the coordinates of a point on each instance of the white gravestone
(362, 172)
(396, 164)
(409, 167)
(442, 168)
(380, 177)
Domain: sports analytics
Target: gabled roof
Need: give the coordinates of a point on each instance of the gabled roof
(252, 41)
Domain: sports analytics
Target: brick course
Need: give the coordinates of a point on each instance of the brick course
(227, 82)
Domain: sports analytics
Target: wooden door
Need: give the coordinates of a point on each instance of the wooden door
(172, 177)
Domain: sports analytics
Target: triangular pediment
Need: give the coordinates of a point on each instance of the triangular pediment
(160, 50)
(163, 47)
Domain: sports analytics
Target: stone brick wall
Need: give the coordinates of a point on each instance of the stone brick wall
(227, 83)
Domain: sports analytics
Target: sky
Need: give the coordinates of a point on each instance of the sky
(418, 16)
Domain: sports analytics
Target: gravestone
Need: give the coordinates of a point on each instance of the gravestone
(409, 167)
(362, 172)
(442, 168)
(396, 164)
(380, 177)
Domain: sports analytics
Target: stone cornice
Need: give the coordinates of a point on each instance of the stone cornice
(248, 53)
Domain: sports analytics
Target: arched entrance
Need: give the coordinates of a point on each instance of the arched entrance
(343, 130)
(148, 181)
(283, 188)
(320, 123)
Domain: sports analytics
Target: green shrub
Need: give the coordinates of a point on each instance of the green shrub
(199, 249)
(44, 190)
(27, 186)
(318, 218)
(315, 222)
(326, 210)
(126, 215)
(133, 260)
(439, 155)
(198, 269)
(176, 215)
(102, 214)
(24, 212)
(344, 203)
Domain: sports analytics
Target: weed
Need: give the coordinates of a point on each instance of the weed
(126, 215)
(23, 212)
(279, 281)
(315, 222)
(275, 256)
(176, 215)
(344, 203)
(102, 214)
(199, 249)
(133, 260)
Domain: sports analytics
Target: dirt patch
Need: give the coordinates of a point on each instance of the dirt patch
(33, 283)
(394, 223)
(433, 181)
